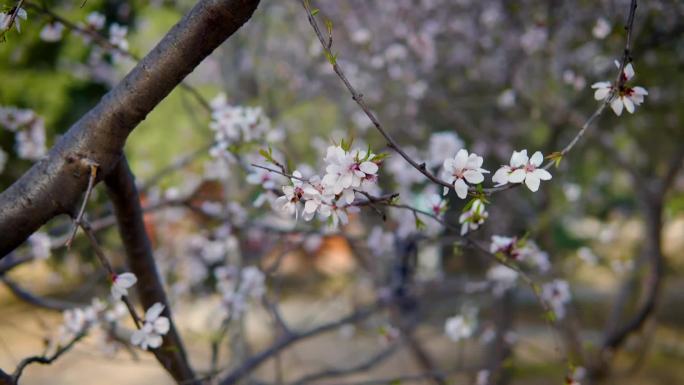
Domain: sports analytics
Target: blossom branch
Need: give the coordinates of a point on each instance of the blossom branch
(44, 359)
(358, 98)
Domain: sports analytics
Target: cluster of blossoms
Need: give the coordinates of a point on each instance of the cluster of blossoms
(237, 287)
(78, 321)
(29, 132)
(332, 196)
(238, 124)
(623, 96)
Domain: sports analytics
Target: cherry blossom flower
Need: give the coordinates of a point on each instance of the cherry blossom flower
(482, 377)
(437, 205)
(154, 327)
(52, 32)
(252, 282)
(461, 169)
(30, 141)
(121, 283)
(6, 18)
(624, 97)
(336, 215)
(117, 36)
(473, 217)
(263, 178)
(505, 245)
(40, 245)
(522, 169)
(293, 195)
(95, 21)
(601, 28)
(461, 326)
(344, 170)
(557, 293)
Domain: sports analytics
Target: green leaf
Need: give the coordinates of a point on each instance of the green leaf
(314, 12)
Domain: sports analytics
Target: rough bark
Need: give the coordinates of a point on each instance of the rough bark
(129, 214)
(54, 185)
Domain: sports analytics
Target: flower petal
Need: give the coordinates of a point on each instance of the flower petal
(537, 159)
(532, 182)
(517, 176)
(461, 188)
(153, 312)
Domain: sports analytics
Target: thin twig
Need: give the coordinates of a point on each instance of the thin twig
(46, 360)
(91, 183)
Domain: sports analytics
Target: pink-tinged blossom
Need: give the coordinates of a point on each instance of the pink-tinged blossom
(624, 97)
(463, 168)
(155, 326)
(523, 169)
(345, 170)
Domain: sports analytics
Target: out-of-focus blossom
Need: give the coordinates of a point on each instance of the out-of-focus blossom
(121, 283)
(473, 217)
(52, 32)
(155, 326)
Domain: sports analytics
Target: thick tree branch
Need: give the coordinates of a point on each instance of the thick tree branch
(54, 185)
(124, 195)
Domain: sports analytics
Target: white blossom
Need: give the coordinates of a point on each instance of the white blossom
(95, 21)
(6, 18)
(154, 327)
(463, 168)
(461, 326)
(473, 217)
(624, 97)
(601, 28)
(52, 32)
(121, 283)
(117, 36)
(557, 294)
(40, 245)
(523, 169)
